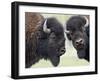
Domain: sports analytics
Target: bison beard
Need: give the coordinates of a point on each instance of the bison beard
(44, 39)
(78, 31)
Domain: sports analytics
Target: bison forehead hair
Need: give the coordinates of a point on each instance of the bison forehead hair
(75, 23)
(54, 25)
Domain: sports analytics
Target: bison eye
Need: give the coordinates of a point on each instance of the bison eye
(71, 33)
(52, 36)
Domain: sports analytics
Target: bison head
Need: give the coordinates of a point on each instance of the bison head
(55, 40)
(76, 32)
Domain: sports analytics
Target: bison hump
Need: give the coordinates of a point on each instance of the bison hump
(33, 22)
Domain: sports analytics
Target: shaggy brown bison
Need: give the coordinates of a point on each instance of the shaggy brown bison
(44, 39)
(78, 31)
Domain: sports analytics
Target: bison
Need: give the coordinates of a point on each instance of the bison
(77, 30)
(44, 39)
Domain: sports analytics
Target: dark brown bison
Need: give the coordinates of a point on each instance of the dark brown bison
(44, 39)
(77, 30)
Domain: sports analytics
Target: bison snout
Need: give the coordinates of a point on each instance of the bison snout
(79, 42)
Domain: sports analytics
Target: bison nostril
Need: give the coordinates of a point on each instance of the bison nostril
(63, 50)
(80, 41)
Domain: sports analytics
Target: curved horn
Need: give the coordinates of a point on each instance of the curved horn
(87, 22)
(65, 30)
(45, 29)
